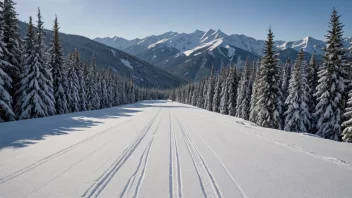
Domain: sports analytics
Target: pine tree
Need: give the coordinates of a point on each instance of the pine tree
(11, 37)
(347, 132)
(312, 74)
(224, 95)
(58, 71)
(269, 102)
(104, 91)
(73, 85)
(81, 80)
(255, 93)
(244, 94)
(92, 93)
(232, 91)
(210, 90)
(297, 115)
(131, 93)
(36, 86)
(6, 111)
(331, 86)
(216, 98)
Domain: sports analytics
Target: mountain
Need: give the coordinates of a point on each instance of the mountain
(192, 55)
(143, 73)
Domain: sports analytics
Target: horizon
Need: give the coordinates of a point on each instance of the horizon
(139, 19)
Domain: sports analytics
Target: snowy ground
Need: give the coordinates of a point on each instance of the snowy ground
(164, 149)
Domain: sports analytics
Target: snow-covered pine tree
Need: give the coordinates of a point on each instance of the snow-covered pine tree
(194, 95)
(297, 115)
(224, 94)
(73, 85)
(244, 95)
(216, 98)
(255, 93)
(286, 76)
(312, 76)
(347, 132)
(131, 93)
(205, 91)
(269, 102)
(210, 90)
(200, 98)
(104, 91)
(6, 110)
(81, 80)
(92, 96)
(331, 86)
(12, 54)
(58, 69)
(232, 90)
(37, 98)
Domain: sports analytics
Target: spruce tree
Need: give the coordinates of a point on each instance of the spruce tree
(11, 36)
(347, 132)
(6, 110)
(255, 93)
(216, 98)
(58, 71)
(37, 99)
(244, 94)
(269, 102)
(73, 85)
(81, 80)
(210, 90)
(92, 94)
(224, 95)
(232, 91)
(297, 115)
(312, 74)
(331, 86)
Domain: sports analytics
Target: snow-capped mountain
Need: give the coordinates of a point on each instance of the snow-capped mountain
(186, 53)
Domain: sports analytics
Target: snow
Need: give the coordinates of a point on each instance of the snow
(164, 149)
(231, 51)
(113, 52)
(126, 63)
(210, 46)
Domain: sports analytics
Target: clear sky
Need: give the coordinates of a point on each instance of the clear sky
(289, 19)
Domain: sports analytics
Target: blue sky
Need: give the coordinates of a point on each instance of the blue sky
(289, 19)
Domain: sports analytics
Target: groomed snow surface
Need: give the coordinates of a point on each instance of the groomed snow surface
(165, 149)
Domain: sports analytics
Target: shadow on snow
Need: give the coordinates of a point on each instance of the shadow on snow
(22, 133)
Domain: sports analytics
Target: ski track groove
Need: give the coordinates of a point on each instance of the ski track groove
(97, 187)
(174, 165)
(142, 160)
(189, 143)
(333, 160)
(234, 180)
(69, 168)
(56, 154)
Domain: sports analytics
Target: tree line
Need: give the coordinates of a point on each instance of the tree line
(298, 97)
(36, 81)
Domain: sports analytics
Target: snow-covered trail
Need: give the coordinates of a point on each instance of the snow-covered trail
(164, 149)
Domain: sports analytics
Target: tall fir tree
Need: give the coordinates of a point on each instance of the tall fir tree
(347, 132)
(11, 36)
(6, 110)
(331, 86)
(255, 93)
(36, 82)
(232, 90)
(210, 90)
(269, 102)
(224, 94)
(73, 85)
(244, 93)
(81, 80)
(216, 98)
(312, 73)
(297, 116)
(58, 69)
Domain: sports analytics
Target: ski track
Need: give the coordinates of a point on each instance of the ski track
(106, 177)
(140, 170)
(175, 182)
(326, 158)
(234, 180)
(57, 154)
(200, 166)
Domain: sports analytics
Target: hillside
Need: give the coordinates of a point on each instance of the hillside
(143, 73)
